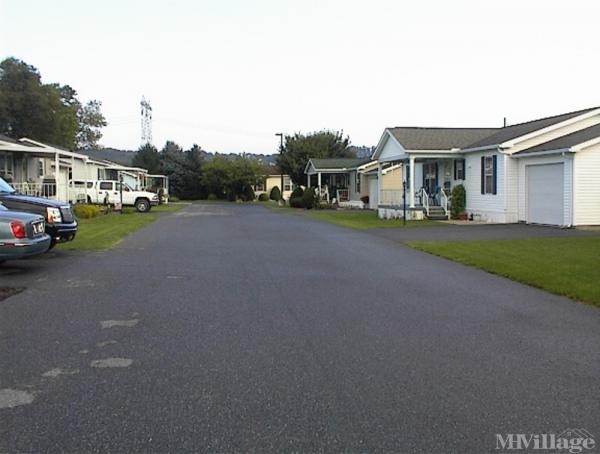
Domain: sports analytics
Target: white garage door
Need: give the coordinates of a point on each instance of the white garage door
(545, 194)
(373, 193)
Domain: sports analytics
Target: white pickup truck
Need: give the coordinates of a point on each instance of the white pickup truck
(109, 192)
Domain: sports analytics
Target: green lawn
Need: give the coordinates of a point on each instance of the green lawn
(361, 220)
(565, 266)
(104, 232)
(170, 208)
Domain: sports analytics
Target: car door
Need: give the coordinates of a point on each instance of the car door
(107, 192)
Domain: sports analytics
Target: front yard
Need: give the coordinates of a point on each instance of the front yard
(565, 266)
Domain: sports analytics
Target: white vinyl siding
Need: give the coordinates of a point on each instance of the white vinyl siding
(391, 151)
(587, 186)
(490, 207)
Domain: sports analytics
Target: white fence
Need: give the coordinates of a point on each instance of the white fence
(51, 191)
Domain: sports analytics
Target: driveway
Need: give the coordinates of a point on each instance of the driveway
(227, 328)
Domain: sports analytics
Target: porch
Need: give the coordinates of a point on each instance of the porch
(427, 182)
(337, 181)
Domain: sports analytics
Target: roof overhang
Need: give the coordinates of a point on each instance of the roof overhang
(535, 154)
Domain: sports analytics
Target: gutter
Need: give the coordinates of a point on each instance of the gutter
(533, 154)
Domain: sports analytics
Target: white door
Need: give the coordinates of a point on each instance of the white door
(373, 193)
(545, 194)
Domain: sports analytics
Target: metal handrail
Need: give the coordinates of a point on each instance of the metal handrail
(425, 200)
(444, 201)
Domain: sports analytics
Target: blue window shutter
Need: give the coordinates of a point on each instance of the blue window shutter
(483, 174)
(464, 163)
(455, 169)
(495, 166)
(437, 179)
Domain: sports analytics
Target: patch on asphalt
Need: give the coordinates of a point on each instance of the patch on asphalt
(10, 398)
(111, 362)
(6, 292)
(53, 373)
(112, 323)
(77, 283)
(105, 343)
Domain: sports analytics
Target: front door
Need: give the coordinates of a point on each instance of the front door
(430, 177)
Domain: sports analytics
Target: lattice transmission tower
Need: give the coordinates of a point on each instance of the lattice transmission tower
(146, 111)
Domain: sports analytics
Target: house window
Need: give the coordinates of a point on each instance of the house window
(357, 181)
(488, 174)
(287, 184)
(40, 168)
(260, 186)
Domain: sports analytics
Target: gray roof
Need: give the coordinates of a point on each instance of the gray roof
(438, 138)
(124, 158)
(338, 163)
(521, 129)
(565, 142)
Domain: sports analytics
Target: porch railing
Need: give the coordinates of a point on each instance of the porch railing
(445, 204)
(343, 195)
(390, 197)
(36, 189)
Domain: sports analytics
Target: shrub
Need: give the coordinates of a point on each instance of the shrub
(310, 199)
(211, 197)
(264, 197)
(86, 211)
(365, 199)
(459, 198)
(298, 192)
(275, 194)
(248, 195)
(172, 198)
(297, 202)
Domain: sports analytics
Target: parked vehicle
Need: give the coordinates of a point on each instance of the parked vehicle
(61, 224)
(21, 235)
(109, 192)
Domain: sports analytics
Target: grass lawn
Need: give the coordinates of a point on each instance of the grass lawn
(361, 220)
(565, 266)
(104, 232)
(170, 208)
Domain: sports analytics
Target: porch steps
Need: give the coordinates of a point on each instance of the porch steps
(436, 214)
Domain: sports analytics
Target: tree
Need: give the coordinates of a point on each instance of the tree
(90, 120)
(48, 113)
(299, 148)
(215, 173)
(147, 158)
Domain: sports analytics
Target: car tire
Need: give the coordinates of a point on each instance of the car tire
(142, 205)
(89, 200)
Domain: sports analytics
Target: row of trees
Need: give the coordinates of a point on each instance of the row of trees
(193, 177)
(50, 113)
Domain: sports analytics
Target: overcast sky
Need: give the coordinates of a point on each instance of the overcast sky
(229, 74)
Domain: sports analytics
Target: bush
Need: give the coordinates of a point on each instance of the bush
(310, 199)
(365, 199)
(248, 195)
(172, 198)
(212, 197)
(298, 192)
(459, 201)
(275, 194)
(297, 202)
(86, 211)
(264, 197)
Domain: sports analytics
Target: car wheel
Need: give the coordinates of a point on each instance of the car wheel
(142, 206)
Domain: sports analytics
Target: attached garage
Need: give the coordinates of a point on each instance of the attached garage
(545, 194)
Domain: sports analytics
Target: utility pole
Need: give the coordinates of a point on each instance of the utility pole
(280, 135)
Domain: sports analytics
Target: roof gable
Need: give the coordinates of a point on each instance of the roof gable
(336, 163)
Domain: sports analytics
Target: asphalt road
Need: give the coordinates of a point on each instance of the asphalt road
(234, 328)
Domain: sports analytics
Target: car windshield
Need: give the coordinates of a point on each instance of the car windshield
(5, 187)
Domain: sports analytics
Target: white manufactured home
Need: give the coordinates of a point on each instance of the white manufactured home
(543, 171)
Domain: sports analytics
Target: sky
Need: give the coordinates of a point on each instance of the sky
(229, 74)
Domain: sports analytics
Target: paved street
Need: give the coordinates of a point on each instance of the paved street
(229, 328)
